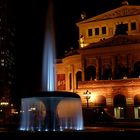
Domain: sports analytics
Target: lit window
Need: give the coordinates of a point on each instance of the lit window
(2, 64)
(2, 60)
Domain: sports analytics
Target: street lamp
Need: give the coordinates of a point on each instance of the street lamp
(87, 95)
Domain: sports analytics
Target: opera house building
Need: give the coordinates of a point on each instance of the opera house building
(105, 70)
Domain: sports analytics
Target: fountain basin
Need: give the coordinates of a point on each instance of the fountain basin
(51, 111)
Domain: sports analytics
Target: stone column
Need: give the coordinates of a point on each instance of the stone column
(73, 77)
(110, 110)
(110, 106)
(129, 64)
(130, 111)
(67, 78)
(130, 108)
(97, 68)
(113, 67)
(83, 69)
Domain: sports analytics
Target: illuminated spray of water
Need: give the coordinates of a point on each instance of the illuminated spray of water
(48, 71)
(53, 111)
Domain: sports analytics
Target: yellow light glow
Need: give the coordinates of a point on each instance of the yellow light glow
(4, 103)
(82, 45)
(93, 98)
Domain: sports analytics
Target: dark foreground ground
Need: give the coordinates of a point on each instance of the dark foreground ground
(115, 135)
(117, 131)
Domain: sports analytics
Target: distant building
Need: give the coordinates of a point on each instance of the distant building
(7, 55)
(107, 63)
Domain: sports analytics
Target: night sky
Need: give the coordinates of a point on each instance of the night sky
(31, 16)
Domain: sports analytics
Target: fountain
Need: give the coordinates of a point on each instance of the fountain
(51, 110)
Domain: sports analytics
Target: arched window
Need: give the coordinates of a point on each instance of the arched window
(137, 69)
(78, 78)
(121, 71)
(90, 73)
(107, 73)
(100, 101)
(70, 81)
(137, 100)
(137, 106)
(119, 100)
(119, 106)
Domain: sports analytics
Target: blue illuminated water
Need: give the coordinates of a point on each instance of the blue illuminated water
(52, 111)
(48, 70)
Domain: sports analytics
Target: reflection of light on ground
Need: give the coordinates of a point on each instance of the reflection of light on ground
(88, 129)
(110, 129)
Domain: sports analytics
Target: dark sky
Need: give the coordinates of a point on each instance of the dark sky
(66, 14)
(31, 16)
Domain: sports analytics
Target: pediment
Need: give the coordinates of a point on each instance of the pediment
(119, 12)
(115, 13)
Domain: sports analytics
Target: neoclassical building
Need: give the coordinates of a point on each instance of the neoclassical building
(107, 63)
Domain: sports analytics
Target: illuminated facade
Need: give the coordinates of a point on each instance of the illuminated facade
(107, 63)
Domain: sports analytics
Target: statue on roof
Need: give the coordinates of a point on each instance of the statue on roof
(125, 2)
(83, 15)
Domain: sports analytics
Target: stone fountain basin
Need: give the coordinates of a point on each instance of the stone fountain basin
(51, 111)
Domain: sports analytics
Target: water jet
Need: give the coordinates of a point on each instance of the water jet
(51, 110)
